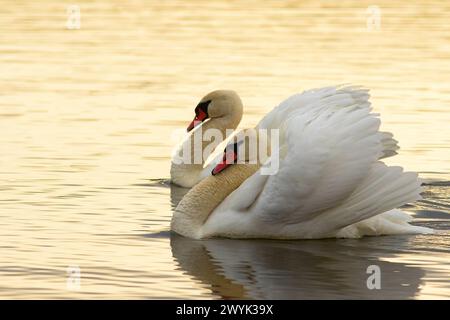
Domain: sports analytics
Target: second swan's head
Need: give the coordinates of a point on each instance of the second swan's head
(218, 104)
(246, 147)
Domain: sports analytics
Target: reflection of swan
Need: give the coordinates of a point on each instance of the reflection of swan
(330, 182)
(223, 109)
(263, 269)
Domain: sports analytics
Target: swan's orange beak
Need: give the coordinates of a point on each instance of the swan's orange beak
(199, 118)
(229, 157)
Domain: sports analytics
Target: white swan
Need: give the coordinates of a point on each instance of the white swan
(223, 110)
(330, 182)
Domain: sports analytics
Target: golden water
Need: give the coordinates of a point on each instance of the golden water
(87, 116)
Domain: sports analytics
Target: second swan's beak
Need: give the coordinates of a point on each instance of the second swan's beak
(193, 124)
(199, 118)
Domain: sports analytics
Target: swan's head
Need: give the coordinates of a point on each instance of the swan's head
(246, 147)
(218, 104)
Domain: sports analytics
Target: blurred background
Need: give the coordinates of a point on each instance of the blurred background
(92, 91)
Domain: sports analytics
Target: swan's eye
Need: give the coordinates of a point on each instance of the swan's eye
(202, 107)
(201, 114)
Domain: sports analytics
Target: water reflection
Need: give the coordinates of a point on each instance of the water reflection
(325, 269)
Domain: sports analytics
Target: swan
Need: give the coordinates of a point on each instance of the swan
(220, 110)
(331, 181)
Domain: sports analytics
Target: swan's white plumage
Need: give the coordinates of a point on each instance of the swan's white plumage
(330, 182)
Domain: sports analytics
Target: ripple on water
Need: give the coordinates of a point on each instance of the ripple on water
(87, 119)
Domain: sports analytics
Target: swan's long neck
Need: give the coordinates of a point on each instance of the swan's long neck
(189, 174)
(196, 206)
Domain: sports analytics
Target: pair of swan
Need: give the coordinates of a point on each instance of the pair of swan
(330, 181)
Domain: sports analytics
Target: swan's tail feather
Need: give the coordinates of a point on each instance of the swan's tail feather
(384, 189)
(390, 145)
(391, 222)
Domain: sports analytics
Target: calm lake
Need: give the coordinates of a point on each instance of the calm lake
(87, 120)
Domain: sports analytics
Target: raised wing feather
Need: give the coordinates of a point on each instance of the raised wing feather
(330, 149)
